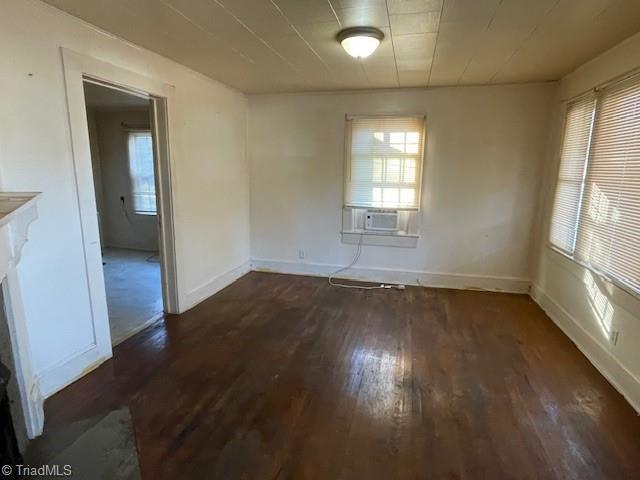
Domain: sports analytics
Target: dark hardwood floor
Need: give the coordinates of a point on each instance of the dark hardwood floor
(285, 377)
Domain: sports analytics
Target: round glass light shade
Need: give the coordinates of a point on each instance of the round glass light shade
(360, 46)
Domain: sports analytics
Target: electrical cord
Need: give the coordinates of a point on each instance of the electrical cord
(124, 210)
(353, 262)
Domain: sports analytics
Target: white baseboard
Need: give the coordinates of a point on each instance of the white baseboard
(599, 356)
(55, 378)
(212, 286)
(407, 277)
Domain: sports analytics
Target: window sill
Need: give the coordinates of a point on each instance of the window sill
(616, 288)
(380, 239)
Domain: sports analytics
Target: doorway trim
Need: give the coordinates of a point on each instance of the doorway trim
(77, 69)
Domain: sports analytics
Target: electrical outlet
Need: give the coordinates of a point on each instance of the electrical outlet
(301, 254)
(613, 337)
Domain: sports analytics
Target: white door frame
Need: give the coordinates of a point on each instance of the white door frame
(166, 232)
(77, 69)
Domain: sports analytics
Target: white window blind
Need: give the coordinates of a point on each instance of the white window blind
(573, 162)
(143, 187)
(384, 162)
(607, 232)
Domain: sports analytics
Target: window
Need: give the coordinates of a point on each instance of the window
(143, 187)
(575, 145)
(596, 216)
(384, 162)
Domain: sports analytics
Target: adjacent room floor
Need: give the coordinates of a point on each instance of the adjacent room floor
(134, 291)
(283, 376)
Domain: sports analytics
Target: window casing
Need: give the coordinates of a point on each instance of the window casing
(596, 215)
(384, 162)
(141, 173)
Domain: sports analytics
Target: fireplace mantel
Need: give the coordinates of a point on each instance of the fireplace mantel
(17, 212)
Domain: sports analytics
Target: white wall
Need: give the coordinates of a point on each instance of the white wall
(135, 231)
(485, 151)
(207, 126)
(573, 296)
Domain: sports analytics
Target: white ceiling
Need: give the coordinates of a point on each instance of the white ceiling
(289, 45)
(99, 97)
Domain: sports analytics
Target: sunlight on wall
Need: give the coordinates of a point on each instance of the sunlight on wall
(600, 304)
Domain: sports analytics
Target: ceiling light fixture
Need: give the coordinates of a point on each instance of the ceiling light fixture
(360, 42)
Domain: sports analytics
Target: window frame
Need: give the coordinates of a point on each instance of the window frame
(571, 256)
(129, 134)
(348, 161)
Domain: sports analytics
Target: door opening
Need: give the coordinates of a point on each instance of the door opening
(124, 165)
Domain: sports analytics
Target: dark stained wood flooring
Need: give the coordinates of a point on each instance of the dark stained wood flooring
(285, 377)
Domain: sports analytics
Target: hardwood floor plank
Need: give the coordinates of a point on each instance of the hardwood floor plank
(285, 377)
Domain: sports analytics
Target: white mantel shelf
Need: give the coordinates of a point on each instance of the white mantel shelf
(17, 211)
(13, 204)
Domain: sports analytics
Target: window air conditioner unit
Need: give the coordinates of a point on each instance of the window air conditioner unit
(381, 220)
